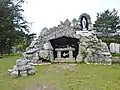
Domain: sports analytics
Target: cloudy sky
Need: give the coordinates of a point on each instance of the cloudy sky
(49, 13)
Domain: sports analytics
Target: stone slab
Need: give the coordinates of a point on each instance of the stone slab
(20, 62)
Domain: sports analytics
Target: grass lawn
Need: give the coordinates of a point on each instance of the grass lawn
(61, 77)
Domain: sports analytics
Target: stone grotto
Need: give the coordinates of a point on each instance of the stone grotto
(73, 41)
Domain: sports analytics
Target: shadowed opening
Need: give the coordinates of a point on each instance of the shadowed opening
(65, 42)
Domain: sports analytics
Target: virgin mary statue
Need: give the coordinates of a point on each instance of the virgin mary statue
(84, 24)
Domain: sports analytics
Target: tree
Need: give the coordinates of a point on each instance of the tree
(24, 41)
(29, 38)
(11, 22)
(107, 22)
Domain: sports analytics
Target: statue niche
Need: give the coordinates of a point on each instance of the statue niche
(84, 23)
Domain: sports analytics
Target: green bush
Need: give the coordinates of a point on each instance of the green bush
(116, 54)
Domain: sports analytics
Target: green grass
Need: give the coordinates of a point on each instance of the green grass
(61, 77)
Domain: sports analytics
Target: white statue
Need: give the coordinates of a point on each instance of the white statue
(84, 24)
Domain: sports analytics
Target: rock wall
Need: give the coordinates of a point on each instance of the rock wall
(93, 50)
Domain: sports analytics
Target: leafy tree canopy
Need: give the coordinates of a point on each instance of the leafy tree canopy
(107, 22)
(108, 19)
(12, 23)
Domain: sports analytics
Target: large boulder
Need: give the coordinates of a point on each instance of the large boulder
(94, 50)
(46, 54)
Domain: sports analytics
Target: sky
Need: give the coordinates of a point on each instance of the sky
(49, 13)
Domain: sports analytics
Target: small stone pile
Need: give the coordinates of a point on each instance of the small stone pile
(22, 68)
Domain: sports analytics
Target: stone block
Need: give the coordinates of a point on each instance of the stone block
(9, 72)
(14, 74)
(44, 53)
(47, 46)
(15, 68)
(79, 58)
(22, 68)
(35, 59)
(20, 62)
(30, 56)
(31, 72)
(23, 73)
(28, 67)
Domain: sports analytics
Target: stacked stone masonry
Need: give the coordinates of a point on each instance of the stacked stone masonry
(22, 68)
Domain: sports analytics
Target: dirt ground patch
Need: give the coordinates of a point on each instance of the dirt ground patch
(43, 86)
(66, 66)
(54, 69)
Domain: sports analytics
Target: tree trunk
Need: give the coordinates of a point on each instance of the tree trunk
(8, 51)
(1, 51)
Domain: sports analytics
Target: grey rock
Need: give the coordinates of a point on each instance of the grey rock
(22, 68)
(9, 72)
(23, 73)
(15, 68)
(44, 53)
(31, 72)
(30, 56)
(31, 51)
(79, 58)
(47, 46)
(14, 74)
(28, 67)
(20, 62)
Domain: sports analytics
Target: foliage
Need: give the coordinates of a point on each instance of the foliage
(23, 42)
(111, 39)
(107, 22)
(116, 54)
(46, 59)
(13, 24)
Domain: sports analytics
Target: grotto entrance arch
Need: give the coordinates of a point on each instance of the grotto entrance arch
(65, 48)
